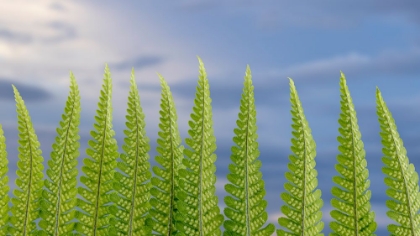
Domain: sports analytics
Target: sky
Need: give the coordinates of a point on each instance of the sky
(374, 43)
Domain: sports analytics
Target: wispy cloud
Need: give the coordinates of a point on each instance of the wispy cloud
(139, 62)
(28, 92)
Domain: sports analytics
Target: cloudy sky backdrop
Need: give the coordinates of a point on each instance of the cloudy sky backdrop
(374, 42)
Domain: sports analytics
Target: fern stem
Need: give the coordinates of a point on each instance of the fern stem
(247, 211)
(200, 169)
(173, 174)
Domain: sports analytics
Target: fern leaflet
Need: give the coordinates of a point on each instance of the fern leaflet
(25, 209)
(352, 214)
(132, 183)
(246, 207)
(165, 183)
(401, 177)
(99, 168)
(303, 201)
(4, 187)
(59, 196)
(199, 212)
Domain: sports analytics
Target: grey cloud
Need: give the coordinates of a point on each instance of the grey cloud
(58, 6)
(13, 36)
(226, 92)
(191, 5)
(28, 92)
(332, 14)
(138, 62)
(392, 64)
(272, 89)
(271, 14)
(63, 31)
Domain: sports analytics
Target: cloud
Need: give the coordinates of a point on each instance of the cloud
(138, 62)
(16, 37)
(17, 24)
(29, 93)
(274, 15)
(328, 14)
(321, 76)
(388, 63)
(58, 6)
(63, 31)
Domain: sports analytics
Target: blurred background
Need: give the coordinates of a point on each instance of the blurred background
(374, 42)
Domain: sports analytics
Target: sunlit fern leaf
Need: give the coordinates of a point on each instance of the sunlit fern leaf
(58, 199)
(303, 201)
(199, 212)
(352, 214)
(4, 186)
(246, 207)
(132, 181)
(401, 177)
(165, 183)
(98, 169)
(25, 209)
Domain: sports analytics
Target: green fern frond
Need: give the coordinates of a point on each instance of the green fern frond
(165, 183)
(303, 201)
(59, 196)
(99, 168)
(171, 151)
(199, 212)
(401, 177)
(4, 186)
(132, 181)
(352, 214)
(25, 209)
(246, 206)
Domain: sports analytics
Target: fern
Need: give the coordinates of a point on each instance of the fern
(303, 201)
(4, 187)
(199, 212)
(99, 168)
(165, 185)
(132, 182)
(353, 215)
(25, 209)
(401, 177)
(59, 196)
(246, 208)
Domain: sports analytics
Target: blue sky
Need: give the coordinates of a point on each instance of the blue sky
(375, 43)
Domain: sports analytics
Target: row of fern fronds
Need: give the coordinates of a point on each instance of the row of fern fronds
(119, 195)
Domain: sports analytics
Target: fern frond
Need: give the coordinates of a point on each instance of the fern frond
(352, 214)
(199, 212)
(132, 181)
(401, 177)
(59, 196)
(25, 209)
(165, 183)
(4, 186)
(98, 168)
(302, 200)
(246, 206)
